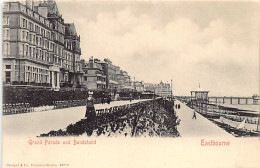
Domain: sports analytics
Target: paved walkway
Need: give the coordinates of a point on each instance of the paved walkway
(36, 123)
(201, 127)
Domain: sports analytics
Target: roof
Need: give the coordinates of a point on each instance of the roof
(199, 89)
(71, 29)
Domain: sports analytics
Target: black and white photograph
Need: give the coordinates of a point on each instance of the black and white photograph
(130, 83)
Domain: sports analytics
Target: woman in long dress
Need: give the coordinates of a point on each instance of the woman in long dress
(90, 109)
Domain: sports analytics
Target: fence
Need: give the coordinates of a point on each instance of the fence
(16, 108)
(19, 108)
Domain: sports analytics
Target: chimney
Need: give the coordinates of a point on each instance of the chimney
(91, 62)
(43, 11)
(29, 4)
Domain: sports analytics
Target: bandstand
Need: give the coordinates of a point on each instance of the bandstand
(199, 100)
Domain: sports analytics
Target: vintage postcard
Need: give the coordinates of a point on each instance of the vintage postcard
(94, 84)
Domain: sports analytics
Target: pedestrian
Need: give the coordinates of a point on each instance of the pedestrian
(131, 97)
(108, 100)
(90, 109)
(194, 115)
(179, 106)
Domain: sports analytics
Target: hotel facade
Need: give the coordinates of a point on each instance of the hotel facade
(39, 49)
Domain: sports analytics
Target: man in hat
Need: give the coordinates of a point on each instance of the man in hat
(90, 109)
(194, 115)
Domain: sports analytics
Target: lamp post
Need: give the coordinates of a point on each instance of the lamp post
(154, 91)
(171, 89)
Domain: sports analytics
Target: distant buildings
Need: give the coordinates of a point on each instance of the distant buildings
(110, 69)
(39, 49)
(162, 89)
(138, 86)
(103, 75)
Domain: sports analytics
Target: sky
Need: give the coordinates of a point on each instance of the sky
(215, 44)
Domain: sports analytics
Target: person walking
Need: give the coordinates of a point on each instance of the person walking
(194, 115)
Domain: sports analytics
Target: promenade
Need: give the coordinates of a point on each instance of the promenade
(197, 128)
(36, 123)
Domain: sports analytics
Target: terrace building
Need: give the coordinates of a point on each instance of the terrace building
(94, 77)
(127, 81)
(37, 49)
(119, 78)
(112, 83)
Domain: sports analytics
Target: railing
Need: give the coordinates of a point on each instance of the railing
(127, 120)
(31, 83)
(19, 108)
(16, 108)
(250, 120)
(69, 103)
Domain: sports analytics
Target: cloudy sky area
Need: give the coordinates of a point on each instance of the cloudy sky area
(214, 44)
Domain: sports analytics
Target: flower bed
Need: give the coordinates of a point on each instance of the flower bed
(150, 118)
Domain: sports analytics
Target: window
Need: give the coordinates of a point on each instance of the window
(48, 58)
(30, 51)
(37, 53)
(6, 7)
(23, 35)
(8, 67)
(30, 37)
(30, 26)
(33, 52)
(24, 24)
(6, 20)
(27, 35)
(33, 39)
(23, 49)
(40, 54)
(7, 76)
(6, 34)
(26, 50)
(6, 48)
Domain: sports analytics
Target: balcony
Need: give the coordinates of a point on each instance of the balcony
(101, 83)
(113, 82)
(78, 50)
(31, 84)
(36, 60)
(90, 75)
